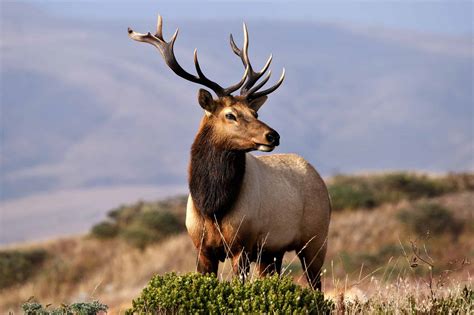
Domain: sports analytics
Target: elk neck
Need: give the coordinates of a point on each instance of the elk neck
(215, 174)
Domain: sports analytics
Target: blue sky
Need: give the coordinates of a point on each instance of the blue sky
(442, 17)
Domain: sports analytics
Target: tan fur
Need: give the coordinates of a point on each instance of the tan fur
(242, 133)
(283, 204)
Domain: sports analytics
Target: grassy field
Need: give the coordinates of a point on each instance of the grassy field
(397, 241)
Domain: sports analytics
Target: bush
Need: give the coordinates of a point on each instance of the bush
(411, 186)
(17, 266)
(351, 196)
(105, 230)
(163, 222)
(204, 294)
(350, 192)
(87, 308)
(150, 227)
(143, 223)
(459, 181)
(139, 236)
(430, 218)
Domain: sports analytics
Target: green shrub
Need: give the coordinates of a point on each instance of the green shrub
(17, 266)
(205, 294)
(163, 222)
(124, 215)
(138, 236)
(350, 192)
(411, 186)
(88, 308)
(105, 230)
(351, 196)
(83, 308)
(430, 218)
(150, 227)
(143, 223)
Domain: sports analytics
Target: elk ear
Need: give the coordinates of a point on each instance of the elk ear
(257, 103)
(206, 101)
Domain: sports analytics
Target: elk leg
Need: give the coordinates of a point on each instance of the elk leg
(270, 264)
(207, 263)
(312, 259)
(241, 265)
(313, 275)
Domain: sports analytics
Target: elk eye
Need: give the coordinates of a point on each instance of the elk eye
(230, 116)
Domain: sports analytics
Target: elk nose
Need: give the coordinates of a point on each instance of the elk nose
(273, 137)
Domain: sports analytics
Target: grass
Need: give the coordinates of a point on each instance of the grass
(457, 301)
(370, 259)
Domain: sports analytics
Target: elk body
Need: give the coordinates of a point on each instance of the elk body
(243, 207)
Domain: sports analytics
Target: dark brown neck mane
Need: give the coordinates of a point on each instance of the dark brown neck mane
(215, 174)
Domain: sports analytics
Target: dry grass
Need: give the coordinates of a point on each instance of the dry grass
(84, 268)
(112, 271)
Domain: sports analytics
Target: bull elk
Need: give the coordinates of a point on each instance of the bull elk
(244, 207)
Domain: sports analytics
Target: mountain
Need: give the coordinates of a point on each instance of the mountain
(85, 108)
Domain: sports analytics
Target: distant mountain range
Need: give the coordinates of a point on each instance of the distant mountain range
(84, 107)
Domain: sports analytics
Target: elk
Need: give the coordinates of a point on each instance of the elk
(244, 207)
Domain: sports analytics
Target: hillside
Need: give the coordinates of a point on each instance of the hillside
(370, 245)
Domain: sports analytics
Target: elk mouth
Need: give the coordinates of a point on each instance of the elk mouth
(264, 147)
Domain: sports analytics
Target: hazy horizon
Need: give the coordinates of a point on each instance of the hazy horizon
(91, 119)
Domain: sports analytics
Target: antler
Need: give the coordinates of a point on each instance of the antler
(249, 90)
(166, 50)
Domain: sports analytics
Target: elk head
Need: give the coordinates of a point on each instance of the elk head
(233, 119)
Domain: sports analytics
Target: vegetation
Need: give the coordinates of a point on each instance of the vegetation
(458, 302)
(352, 262)
(352, 192)
(142, 224)
(86, 308)
(105, 230)
(17, 266)
(198, 294)
(376, 261)
(427, 218)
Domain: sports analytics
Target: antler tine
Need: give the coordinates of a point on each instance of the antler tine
(167, 51)
(246, 44)
(255, 95)
(262, 83)
(205, 80)
(248, 89)
(159, 28)
(249, 78)
(235, 49)
(237, 86)
(225, 91)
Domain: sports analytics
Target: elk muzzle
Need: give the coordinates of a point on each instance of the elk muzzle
(271, 139)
